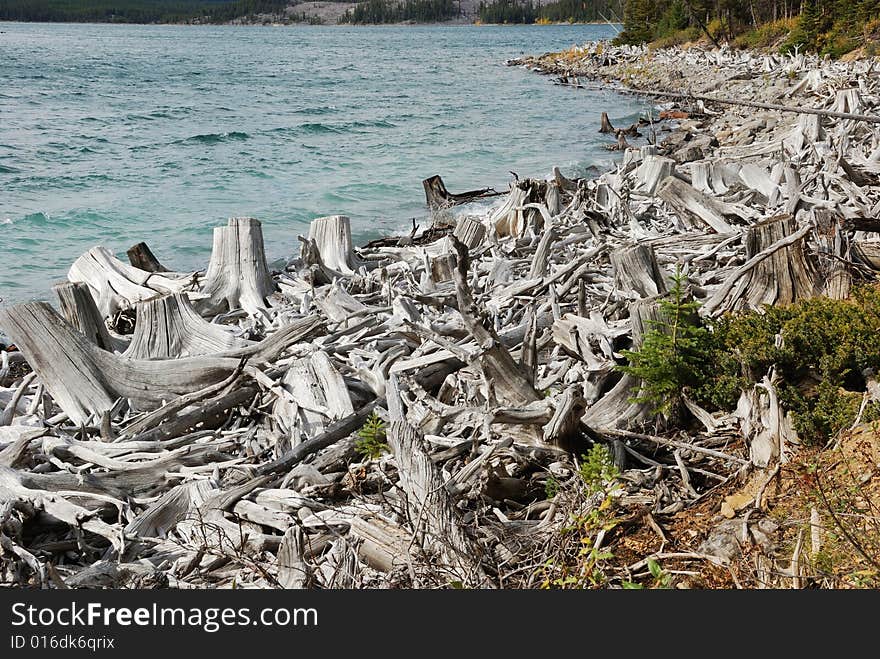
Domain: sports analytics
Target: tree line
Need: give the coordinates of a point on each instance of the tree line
(418, 11)
(136, 11)
(826, 26)
(573, 11)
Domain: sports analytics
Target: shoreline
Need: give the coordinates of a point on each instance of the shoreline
(450, 23)
(423, 404)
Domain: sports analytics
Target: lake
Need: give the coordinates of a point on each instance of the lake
(113, 134)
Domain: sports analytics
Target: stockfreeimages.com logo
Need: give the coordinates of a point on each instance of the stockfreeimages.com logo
(95, 614)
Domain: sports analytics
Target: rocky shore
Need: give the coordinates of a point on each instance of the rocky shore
(445, 409)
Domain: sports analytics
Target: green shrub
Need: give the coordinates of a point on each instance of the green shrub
(820, 348)
(597, 469)
(371, 444)
(823, 349)
(766, 35)
(675, 354)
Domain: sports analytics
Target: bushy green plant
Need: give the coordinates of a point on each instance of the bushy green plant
(578, 561)
(597, 469)
(371, 444)
(820, 348)
(675, 353)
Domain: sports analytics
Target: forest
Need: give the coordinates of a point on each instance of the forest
(832, 27)
(572, 11)
(417, 11)
(136, 11)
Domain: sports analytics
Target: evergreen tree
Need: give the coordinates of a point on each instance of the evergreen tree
(809, 24)
(637, 22)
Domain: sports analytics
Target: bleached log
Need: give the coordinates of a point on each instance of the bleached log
(317, 395)
(168, 327)
(686, 199)
(85, 380)
(618, 408)
(294, 573)
(511, 386)
(433, 516)
(577, 335)
(162, 515)
(868, 253)
(116, 285)
(237, 276)
(79, 309)
(778, 270)
(542, 253)
(636, 271)
(470, 231)
(383, 545)
(12, 489)
(565, 428)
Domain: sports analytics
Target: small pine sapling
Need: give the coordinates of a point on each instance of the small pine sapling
(676, 353)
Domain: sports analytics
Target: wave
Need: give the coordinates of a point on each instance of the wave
(321, 109)
(318, 127)
(214, 138)
(8, 170)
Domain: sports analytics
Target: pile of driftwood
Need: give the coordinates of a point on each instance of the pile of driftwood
(201, 429)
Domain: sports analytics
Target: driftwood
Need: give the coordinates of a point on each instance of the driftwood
(168, 327)
(438, 197)
(413, 412)
(142, 257)
(237, 274)
(78, 308)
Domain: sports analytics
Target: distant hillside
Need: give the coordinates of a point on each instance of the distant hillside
(137, 11)
(550, 11)
(309, 11)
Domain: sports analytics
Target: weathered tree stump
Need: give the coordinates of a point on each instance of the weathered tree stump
(438, 197)
(237, 276)
(332, 238)
(606, 126)
(79, 309)
(617, 408)
(470, 231)
(85, 380)
(778, 270)
(168, 327)
(636, 271)
(116, 285)
(651, 171)
(142, 257)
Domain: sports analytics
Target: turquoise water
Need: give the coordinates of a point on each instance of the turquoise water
(112, 134)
